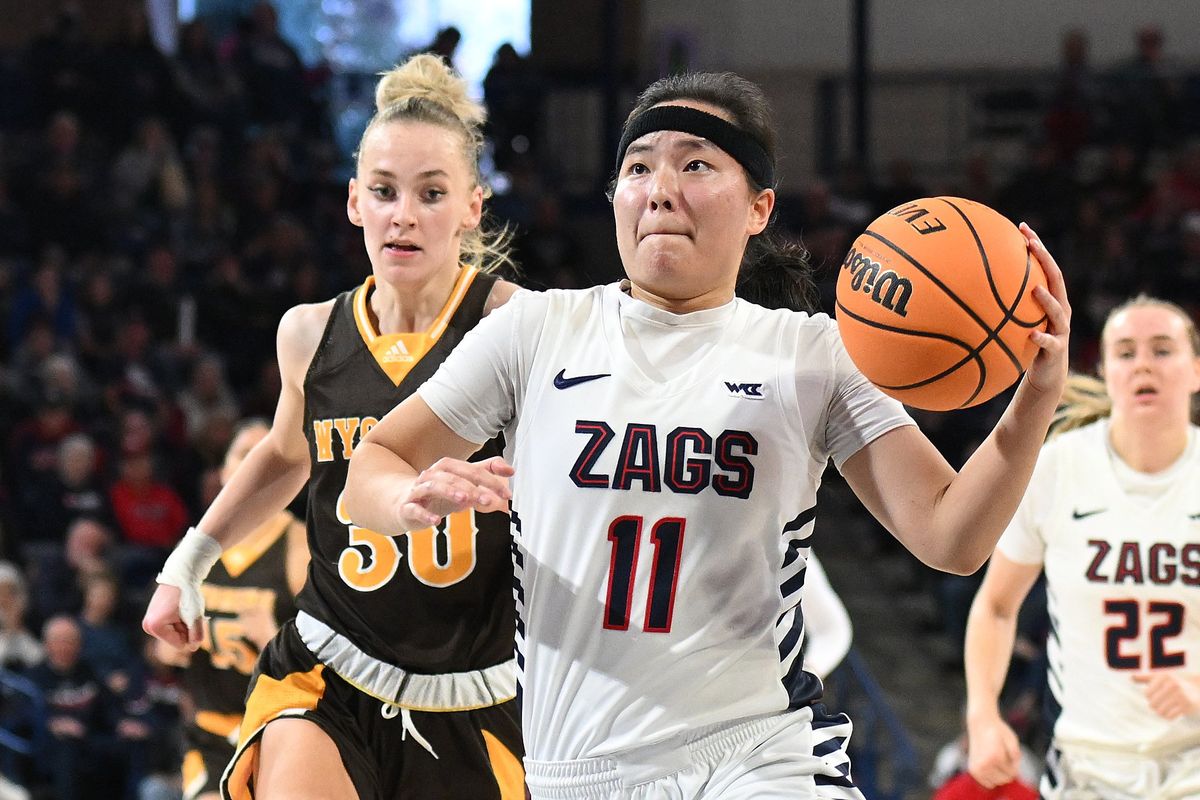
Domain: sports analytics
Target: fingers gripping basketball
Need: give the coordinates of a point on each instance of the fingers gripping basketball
(935, 303)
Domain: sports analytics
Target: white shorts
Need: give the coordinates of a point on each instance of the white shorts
(1078, 773)
(786, 756)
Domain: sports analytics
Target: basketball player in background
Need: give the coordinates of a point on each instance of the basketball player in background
(248, 594)
(828, 631)
(1113, 517)
(396, 677)
(666, 439)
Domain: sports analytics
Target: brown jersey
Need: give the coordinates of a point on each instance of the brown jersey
(250, 577)
(436, 600)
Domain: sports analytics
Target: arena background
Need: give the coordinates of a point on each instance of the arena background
(168, 188)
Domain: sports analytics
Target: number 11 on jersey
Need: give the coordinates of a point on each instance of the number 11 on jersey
(625, 534)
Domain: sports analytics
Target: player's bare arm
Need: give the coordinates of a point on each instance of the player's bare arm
(994, 754)
(952, 521)
(411, 470)
(272, 474)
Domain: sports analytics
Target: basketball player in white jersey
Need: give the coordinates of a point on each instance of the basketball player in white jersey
(665, 441)
(1113, 516)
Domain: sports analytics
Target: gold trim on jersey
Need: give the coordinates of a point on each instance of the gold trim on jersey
(224, 725)
(506, 767)
(195, 774)
(271, 699)
(241, 556)
(396, 353)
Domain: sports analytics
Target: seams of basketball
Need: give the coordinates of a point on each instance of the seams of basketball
(972, 354)
(1017, 320)
(1009, 311)
(991, 333)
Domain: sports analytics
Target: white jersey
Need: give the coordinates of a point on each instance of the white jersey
(662, 510)
(1122, 562)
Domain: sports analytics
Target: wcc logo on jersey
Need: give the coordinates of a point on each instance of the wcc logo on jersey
(750, 391)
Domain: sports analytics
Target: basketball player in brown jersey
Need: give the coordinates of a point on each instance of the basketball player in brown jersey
(249, 593)
(397, 677)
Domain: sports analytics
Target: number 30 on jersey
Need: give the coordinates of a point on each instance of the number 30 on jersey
(439, 556)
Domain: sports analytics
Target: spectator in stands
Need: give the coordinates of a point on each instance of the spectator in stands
(57, 574)
(208, 88)
(1121, 187)
(150, 514)
(99, 312)
(73, 490)
(46, 297)
(1043, 191)
(233, 321)
(150, 725)
(62, 374)
(148, 177)
(81, 759)
(19, 649)
(206, 394)
(136, 77)
(271, 71)
(140, 370)
(1072, 115)
(33, 447)
(1146, 92)
(206, 227)
(445, 44)
(107, 647)
(62, 63)
(63, 204)
(513, 94)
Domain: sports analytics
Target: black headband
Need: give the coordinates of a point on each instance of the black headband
(744, 148)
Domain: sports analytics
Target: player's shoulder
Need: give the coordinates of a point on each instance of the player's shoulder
(501, 292)
(818, 322)
(300, 330)
(815, 335)
(1090, 437)
(555, 302)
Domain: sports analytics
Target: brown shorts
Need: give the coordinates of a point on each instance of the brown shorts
(387, 751)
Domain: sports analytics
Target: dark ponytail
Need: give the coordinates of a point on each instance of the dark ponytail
(775, 273)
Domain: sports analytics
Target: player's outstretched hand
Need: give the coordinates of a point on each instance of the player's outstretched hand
(993, 752)
(1048, 372)
(164, 620)
(1171, 694)
(452, 485)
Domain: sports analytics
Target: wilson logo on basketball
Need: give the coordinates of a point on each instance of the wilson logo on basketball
(885, 287)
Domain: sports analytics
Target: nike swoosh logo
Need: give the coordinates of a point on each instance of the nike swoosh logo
(1077, 514)
(561, 381)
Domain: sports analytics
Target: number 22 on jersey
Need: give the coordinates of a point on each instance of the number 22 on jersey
(438, 556)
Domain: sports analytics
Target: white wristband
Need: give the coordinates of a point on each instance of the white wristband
(187, 567)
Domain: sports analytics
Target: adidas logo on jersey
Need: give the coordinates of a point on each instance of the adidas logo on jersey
(397, 353)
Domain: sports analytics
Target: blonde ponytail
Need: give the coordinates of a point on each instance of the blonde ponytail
(1084, 401)
(424, 89)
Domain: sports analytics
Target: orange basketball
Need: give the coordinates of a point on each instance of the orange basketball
(935, 303)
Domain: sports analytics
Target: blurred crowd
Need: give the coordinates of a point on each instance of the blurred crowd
(159, 213)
